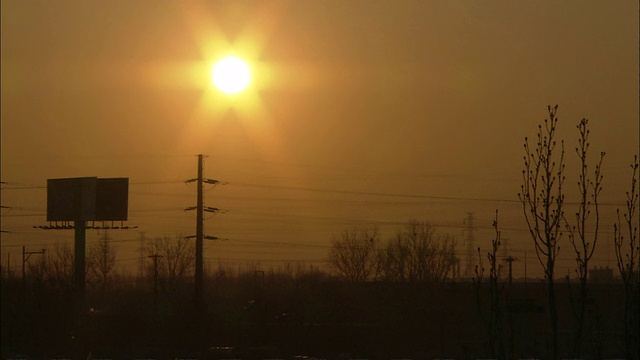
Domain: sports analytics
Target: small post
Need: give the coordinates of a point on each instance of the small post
(525, 271)
(25, 257)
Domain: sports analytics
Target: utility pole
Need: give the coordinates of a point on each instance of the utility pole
(468, 271)
(510, 259)
(199, 234)
(141, 249)
(3, 231)
(200, 237)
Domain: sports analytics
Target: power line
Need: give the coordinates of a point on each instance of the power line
(417, 196)
(368, 193)
(335, 191)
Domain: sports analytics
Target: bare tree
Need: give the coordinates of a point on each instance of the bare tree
(60, 265)
(542, 200)
(430, 253)
(38, 269)
(584, 245)
(102, 260)
(628, 255)
(392, 261)
(417, 253)
(352, 253)
(494, 321)
(175, 259)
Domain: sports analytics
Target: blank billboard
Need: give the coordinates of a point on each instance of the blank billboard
(71, 199)
(112, 199)
(87, 199)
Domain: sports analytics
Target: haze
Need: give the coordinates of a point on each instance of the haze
(354, 101)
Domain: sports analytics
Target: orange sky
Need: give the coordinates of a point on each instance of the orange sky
(422, 98)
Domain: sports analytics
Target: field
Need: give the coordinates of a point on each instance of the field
(277, 315)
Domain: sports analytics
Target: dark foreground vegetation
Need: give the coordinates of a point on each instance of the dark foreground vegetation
(285, 314)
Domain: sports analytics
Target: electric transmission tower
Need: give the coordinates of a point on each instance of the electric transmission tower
(200, 236)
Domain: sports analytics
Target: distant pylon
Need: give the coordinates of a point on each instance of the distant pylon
(510, 260)
(504, 247)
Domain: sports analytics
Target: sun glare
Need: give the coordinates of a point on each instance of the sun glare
(231, 75)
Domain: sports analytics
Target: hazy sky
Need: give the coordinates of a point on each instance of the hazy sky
(430, 99)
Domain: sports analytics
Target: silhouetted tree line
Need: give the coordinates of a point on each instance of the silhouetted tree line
(417, 253)
(264, 312)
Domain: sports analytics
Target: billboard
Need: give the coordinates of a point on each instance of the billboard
(112, 199)
(87, 199)
(71, 199)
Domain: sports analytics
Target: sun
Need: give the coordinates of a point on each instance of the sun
(231, 75)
